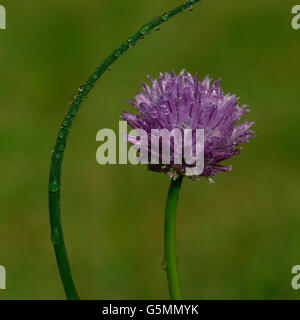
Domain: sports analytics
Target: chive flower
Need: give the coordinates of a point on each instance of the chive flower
(184, 102)
(173, 102)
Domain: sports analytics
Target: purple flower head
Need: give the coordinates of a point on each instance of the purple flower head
(184, 102)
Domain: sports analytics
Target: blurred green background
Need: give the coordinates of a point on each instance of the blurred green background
(237, 239)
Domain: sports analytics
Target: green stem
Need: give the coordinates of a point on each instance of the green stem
(170, 239)
(60, 145)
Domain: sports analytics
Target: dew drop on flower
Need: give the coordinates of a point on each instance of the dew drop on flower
(154, 113)
(165, 109)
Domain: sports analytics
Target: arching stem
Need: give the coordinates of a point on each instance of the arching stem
(60, 145)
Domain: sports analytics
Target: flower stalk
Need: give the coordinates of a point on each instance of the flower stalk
(170, 239)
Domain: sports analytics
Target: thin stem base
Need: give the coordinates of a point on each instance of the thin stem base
(170, 239)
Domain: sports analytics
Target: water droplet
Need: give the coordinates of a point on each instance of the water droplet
(145, 29)
(157, 29)
(165, 17)
(164, 265)
(80, 89)
(54, 186)
(131, 42)
(57, 155)
(55, 236)
(110, 59)
(165, 110)
(118, 53)
(211, 180)
(153, 113)
(190, 8)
